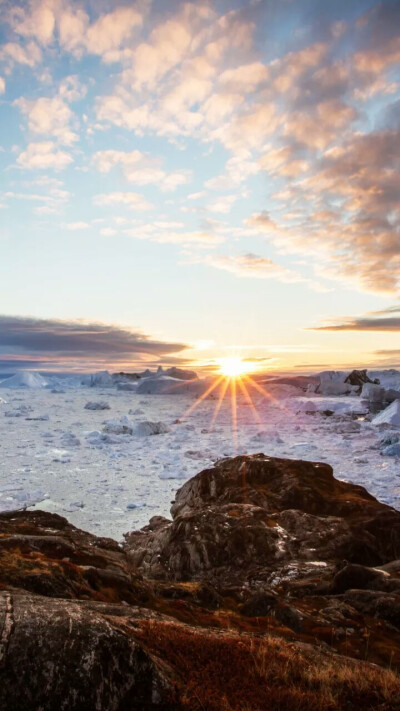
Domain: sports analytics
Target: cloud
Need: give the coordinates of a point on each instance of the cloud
(13, 53)
(43, 155)
(308, 115)
(52, 201)
(49, 343)
(166, 81)
(48, 20)
(49, 116)
(72, 28)
(2, 85)
(252, 266)
(52, 116)
(166, 232)
(111, 30)
(319, 128)
(132, 200)
(245, 78)
(36, 21)
(353, 235)
(388, 324)
(360, 324)
(141, 169)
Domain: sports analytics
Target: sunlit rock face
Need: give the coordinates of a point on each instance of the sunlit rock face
(258, 518)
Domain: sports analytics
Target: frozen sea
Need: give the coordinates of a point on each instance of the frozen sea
(54, 456)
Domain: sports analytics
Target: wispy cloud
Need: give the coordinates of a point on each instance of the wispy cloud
(375, 321)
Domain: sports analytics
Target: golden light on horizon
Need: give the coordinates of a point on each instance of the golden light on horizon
(233, 367)
(235, 383)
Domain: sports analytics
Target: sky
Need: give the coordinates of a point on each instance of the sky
(185, 181)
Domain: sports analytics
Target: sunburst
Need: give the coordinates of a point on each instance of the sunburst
(235, 377)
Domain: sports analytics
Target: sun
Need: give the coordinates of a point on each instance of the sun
(233, 367)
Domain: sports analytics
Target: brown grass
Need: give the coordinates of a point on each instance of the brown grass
(217, 671)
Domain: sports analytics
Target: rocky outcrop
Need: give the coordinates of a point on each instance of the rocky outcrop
(270, 576)
(259, 519)
(359, 378)
(43, 553)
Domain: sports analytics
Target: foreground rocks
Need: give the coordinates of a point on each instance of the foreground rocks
(273, 586)
(258, 519)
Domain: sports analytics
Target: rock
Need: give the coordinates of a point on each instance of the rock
(250, 585)
(43, 553)
(74, 656)
(259, 604)
(358, 378)
(360, 577)
(386, 606)
(288, 616)
(257, 518)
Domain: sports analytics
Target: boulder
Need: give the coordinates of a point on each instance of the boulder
(55, 654)
(42, 553)
(259, 519)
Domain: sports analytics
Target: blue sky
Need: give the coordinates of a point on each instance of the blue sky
(213, 177)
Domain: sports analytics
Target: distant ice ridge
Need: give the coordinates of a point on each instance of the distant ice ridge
(24, 379)
(165, 385)
(102, 379)
(147, 382)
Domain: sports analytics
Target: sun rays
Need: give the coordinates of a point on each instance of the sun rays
(236, 386)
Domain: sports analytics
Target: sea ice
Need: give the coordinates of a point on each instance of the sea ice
(146, 429)
(100, 405)
(24, 379)
(389, 416)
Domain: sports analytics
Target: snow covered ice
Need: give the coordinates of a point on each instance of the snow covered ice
(109, 471)
(24, 379)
